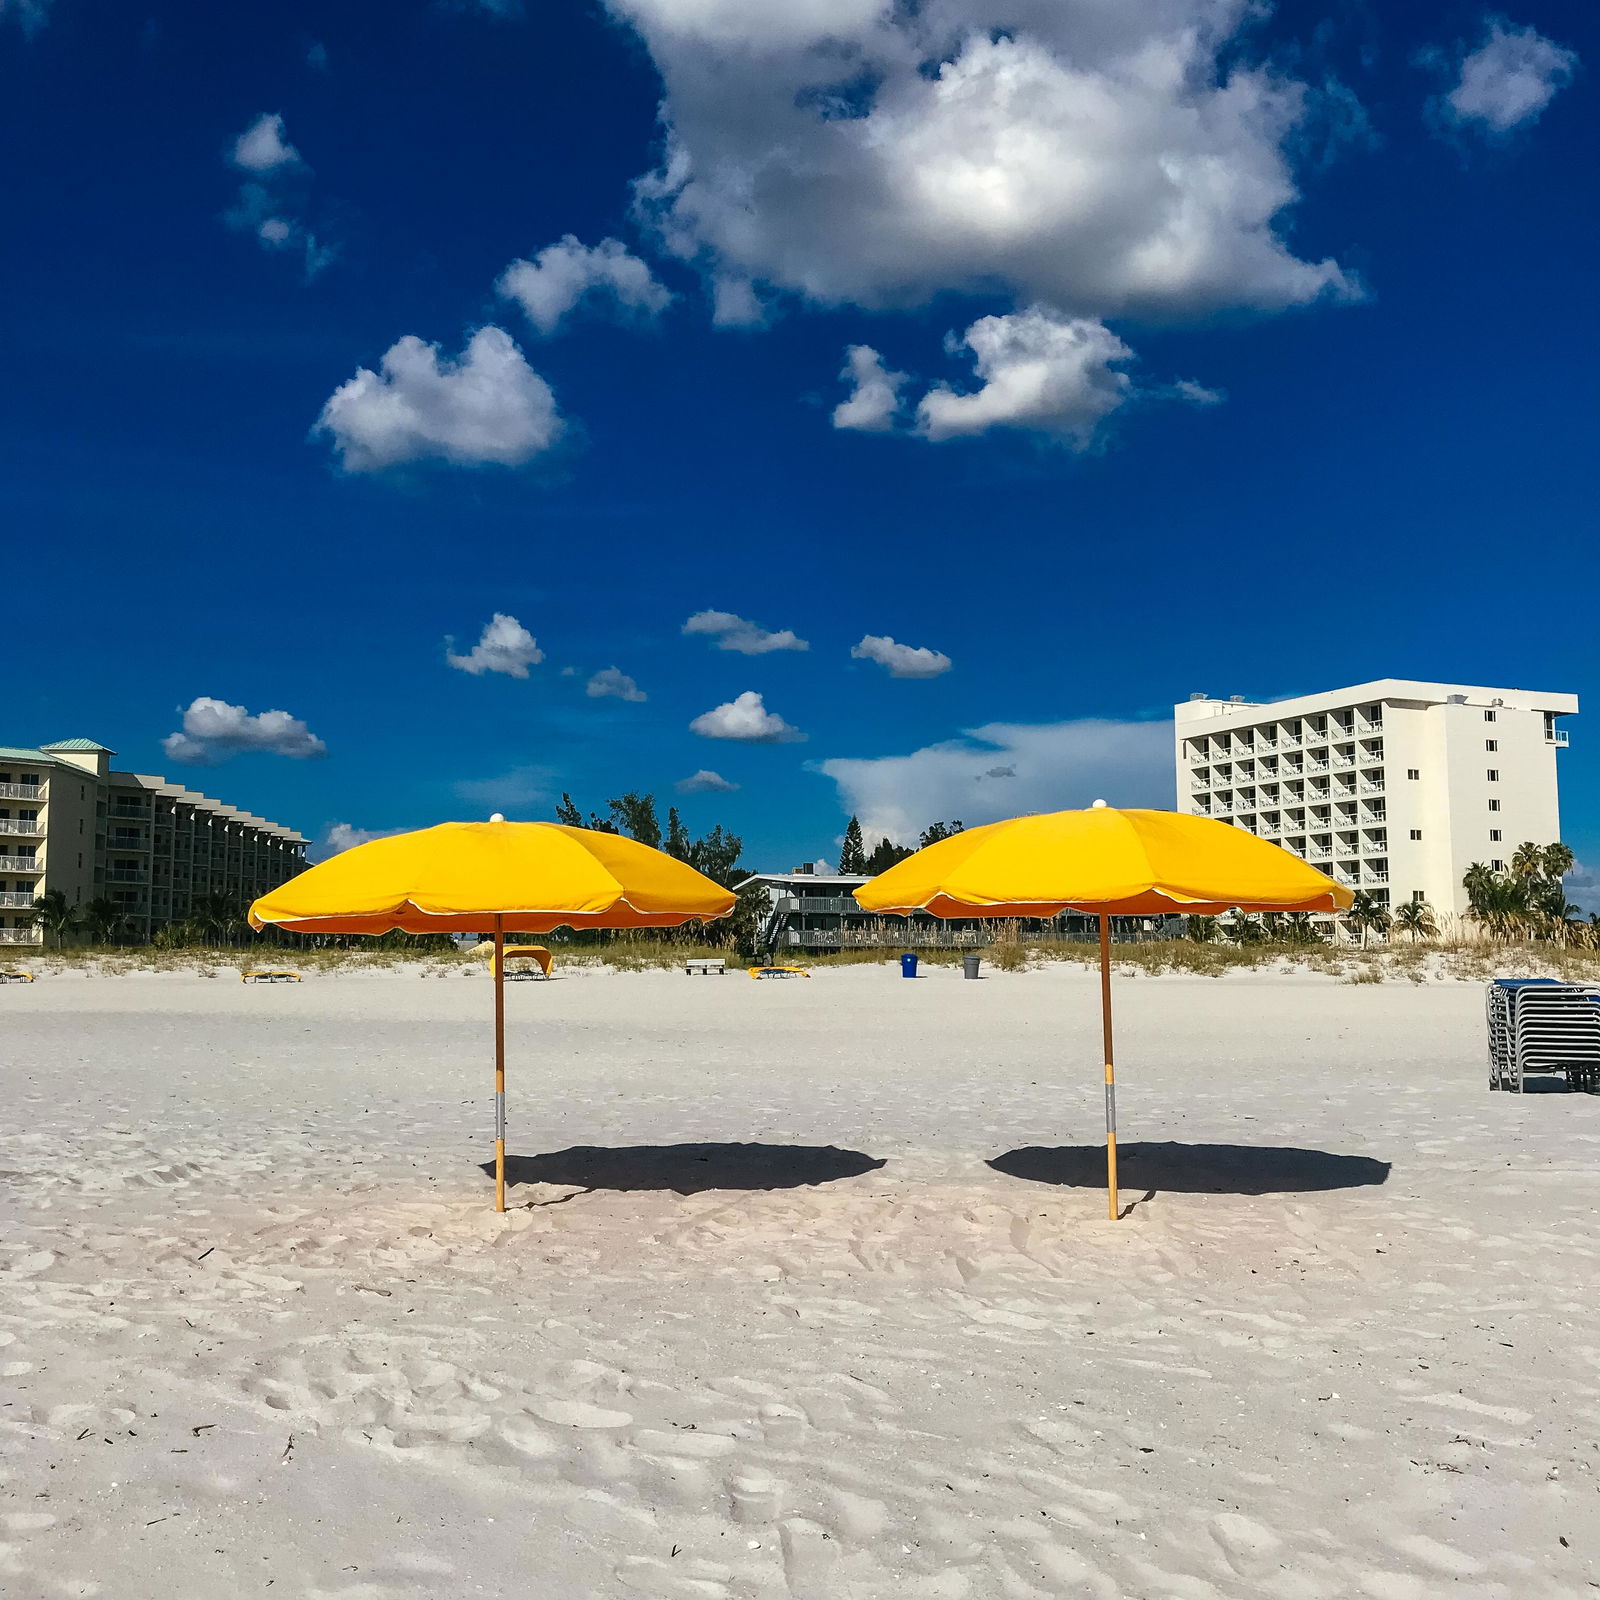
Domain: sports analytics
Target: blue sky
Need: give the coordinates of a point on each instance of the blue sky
(1245, 354)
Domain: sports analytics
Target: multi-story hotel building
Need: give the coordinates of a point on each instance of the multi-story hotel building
(68, 822)
(1393, 787)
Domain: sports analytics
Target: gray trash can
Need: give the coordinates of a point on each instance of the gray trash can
(969, 966)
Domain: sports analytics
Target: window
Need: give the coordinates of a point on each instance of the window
(1493, 775)
(1498, 865)
(1494, 805)
(1413, 773)
(1488, 716)
(1495, 836)
(1416, 833)
(1491, 744)
(1418, 896)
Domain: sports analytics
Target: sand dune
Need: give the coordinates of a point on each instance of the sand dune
(806, 1292)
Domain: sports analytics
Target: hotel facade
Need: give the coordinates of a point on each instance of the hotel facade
(1395, 787)
(152, 848)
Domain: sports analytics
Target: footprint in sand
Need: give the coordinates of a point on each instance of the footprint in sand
(579, 1414)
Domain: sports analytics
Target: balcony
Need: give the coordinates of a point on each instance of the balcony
(1371, 876)
(1375, 814)
(1343, 761)
(20, 864)
(125, 808)
(1556, 736)
(16, 902)
(33, 791)
(1319, 852)
(1290, 741)
(1316, 764)
(1368, 787)
(126, 874)
(21, 935)
(23, 825)
(129, 842)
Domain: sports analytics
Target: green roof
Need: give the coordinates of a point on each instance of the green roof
(78, 744)
(11, 753)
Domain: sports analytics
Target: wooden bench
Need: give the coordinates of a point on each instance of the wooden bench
(269, 977)
(705, 964)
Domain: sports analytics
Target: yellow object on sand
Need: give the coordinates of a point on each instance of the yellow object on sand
(269, 975)
(522, 956)
(1108, 863)
(14, 976)
(778, 972)
(494, 877)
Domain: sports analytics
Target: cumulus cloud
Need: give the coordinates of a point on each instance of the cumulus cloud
(566, 274)
(504, 646)
(1508, 80)
(736, 633)
(1042, 371)
(902, 660)
(271, 203)
(745, 718)
(1048, 767)
(1105, 159)
(874, 399)
(213, 730)
(610, 683)
(486, 407)
(338, 837)
(705, 782)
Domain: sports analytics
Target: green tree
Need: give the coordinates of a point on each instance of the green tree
(100, 920)
(1415, 918)
(678, 843)
(216, 918)
(935, 831)
(852, 853)
(1244, 929)
(1558, 862)
(568, 813)
(885, 854)
(635, 815)
(1203, 930)
(52, 913)
(1368, 915)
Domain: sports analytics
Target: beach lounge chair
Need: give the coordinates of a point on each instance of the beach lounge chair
(779, 972)
(527, 961)
(15, 976)
(1540, 1025)
(269, 975)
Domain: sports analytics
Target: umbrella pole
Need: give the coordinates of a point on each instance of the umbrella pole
(1111, 1076)
(499, 1065)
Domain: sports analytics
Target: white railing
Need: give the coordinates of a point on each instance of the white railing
(32, 791)
(1375, 877)
(20, 935)
(16, 901)
(1557, 736)
(1290, 741)
(20, 864)
(21, 825)
(1315, 765)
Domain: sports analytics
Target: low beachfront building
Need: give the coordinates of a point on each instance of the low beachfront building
(150, 847)
(1394, 787)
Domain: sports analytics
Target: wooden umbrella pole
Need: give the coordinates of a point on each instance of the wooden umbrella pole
(499, 1064)
(1111, 1076)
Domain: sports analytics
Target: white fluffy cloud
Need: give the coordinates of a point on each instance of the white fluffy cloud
(264, 145)
(902, 660)
(1041, 370)
(745, 718)
(504, 646)
(213, 731)
(736, 633)
(568, 273)
(271, 203)
(610, 683)
(1104, 158)
(487, 407)
(1509, 79)
(705, 782)
(338, 837)
(874, 399)
(1044, 767)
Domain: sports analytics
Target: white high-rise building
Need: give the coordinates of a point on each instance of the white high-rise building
(1393, 787)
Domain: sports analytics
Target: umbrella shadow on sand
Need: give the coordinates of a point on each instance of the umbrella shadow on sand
(689, 1168)
(1194, 1168)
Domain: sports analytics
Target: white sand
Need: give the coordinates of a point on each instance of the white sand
(263, 1333)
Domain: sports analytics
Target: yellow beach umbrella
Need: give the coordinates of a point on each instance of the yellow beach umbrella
(1107, 863)
(494, 877)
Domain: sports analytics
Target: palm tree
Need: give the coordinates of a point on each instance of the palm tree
(1558, 862)
(1416, 918)
(100, 920)
(1243, 929)
(52, 913)
(215, 915)
(1528, 862)
(1368, 915)
(1203, 930)
(1296, 927)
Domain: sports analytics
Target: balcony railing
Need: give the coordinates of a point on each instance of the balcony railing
(21, 935)
(20, 864)
(1290, 741)
(16, 901)
(126, 874)
(23, 825)
(1316, 764)
(32, 791)
(1555, 736)
(134, 842)
(1374, 877)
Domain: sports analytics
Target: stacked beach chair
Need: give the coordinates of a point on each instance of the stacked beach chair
(1542, 1025)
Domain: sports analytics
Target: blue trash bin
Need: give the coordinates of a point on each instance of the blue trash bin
(908, 965)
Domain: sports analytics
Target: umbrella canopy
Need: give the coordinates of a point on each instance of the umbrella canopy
(1104, 861)
(494, 877)
(1108, 863)
(472, 877)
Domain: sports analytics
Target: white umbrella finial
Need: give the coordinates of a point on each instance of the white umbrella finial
(1099, 805)
(500, 816)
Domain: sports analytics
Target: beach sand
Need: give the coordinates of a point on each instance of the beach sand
(807, 1291)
